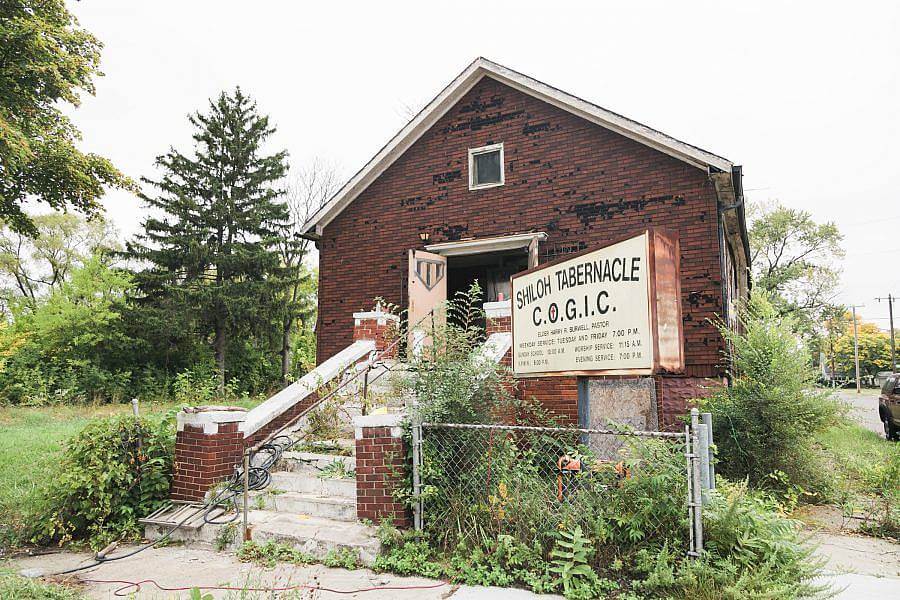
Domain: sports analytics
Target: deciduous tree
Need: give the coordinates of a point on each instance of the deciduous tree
(796, 261)
(874, 347)
(32, 266)
(46, 61)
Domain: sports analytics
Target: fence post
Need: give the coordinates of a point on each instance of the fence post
(690, 491)
(703, 457)
(707, 420)
(416, 473)
(697, 500)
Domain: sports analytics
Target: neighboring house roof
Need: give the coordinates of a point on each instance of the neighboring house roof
(466, 80)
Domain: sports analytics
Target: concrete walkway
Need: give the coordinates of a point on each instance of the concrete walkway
(859, 566)
(178, 567)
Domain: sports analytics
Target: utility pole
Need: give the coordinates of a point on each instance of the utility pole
(856, 349)
(890, 300)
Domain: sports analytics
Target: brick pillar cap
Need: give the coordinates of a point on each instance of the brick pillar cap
(392, 420)
(378, 315)
(210, 417)
(499, 309)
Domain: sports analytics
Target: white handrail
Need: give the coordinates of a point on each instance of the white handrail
(278, 404)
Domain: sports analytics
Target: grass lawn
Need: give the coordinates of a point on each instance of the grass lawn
(866, 468)
(32, 443)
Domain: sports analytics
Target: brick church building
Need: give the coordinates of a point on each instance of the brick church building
(500, 173)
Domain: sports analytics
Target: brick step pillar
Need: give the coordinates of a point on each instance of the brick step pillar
(498, 319)
(208, 446)
(381, 464)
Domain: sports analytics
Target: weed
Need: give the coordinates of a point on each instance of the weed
(866, 468)
(337, 469)
(13, 587)
(225, 536)
(569, 559)
(196, 594)
(325, 422)
(272, 552)
(346, 558)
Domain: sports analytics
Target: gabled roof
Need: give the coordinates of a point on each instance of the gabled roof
(466, 80)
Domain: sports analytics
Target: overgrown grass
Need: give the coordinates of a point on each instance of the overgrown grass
(31, 446)
(866, 471)
(13, 587)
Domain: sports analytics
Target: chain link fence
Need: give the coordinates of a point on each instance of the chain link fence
(627, 487)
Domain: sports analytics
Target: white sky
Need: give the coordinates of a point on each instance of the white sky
(805, 95)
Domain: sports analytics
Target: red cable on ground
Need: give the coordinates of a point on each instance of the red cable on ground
(137, 587)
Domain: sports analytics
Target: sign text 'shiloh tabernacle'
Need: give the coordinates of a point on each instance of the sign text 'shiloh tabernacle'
(589, 313)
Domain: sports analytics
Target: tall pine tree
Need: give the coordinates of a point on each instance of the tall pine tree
(212, 254)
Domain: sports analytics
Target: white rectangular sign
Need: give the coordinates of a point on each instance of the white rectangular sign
(588, 313)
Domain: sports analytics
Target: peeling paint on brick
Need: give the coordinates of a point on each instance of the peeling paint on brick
(446, 177)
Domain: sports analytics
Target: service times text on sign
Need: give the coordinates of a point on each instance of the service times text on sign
(590, 313)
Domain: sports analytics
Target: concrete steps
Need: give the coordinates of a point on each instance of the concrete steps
(312, 463)
(300, 508)
(296, 503)
(303, 483)
(319, 536)
(313, 535)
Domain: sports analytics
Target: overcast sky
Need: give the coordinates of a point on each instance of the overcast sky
(805, 97)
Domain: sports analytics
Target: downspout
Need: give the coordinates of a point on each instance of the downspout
(720, 224)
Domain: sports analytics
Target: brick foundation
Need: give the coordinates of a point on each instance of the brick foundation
(381, 463)
(208, 445)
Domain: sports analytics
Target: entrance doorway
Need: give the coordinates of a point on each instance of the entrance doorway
(443, 271)
(491, 270)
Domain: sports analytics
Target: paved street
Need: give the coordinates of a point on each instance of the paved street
(864, 408)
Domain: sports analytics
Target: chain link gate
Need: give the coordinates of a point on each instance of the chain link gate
(471, 479)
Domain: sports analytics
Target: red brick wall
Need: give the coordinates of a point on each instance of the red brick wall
(558, 395)
(203, 460)
(674, 395)
(498, 325)
(380, 469)
(578, 182)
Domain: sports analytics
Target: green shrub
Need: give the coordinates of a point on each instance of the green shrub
(766, 421)
(751, 551)
(115, 471)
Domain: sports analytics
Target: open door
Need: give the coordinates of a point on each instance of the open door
(427, 287)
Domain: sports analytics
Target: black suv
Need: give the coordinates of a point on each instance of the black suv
(889, 407)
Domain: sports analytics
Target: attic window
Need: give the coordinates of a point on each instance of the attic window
(485, 166)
